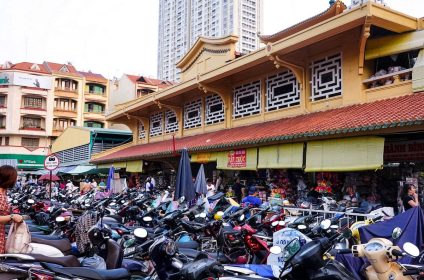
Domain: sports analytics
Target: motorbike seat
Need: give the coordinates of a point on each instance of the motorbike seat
(62, 244)
(115, 255)
(45, 237)
(188, 245)
(193, 254)
(88, 273)
(67, 261)
(215, 196)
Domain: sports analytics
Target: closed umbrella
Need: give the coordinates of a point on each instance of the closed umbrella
(200, 183)
(184, 185)
(110, 178)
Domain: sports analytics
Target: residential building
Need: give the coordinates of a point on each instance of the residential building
(26, 113)
(339, 92)
(182, 22)
(39, 101)
(129, 88)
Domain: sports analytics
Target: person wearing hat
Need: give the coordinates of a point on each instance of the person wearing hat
(252, 198)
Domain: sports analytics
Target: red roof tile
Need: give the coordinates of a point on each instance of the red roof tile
(55, 68)
(133, 78)
(149, 81)
(333, 10)
(93, 76)
(26, 66)
(400, 111)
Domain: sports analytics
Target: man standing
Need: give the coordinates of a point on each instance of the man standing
(210, 187)
(252, 199)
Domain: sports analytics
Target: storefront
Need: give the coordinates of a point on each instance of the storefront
(23, 162)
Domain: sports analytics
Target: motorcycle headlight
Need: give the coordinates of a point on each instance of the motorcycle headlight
(170, 248)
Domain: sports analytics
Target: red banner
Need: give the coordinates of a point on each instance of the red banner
(237, 158)
(404, 151)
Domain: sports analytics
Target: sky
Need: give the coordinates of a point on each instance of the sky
(113, 37)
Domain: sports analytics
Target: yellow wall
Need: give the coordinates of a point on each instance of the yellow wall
(71, 138)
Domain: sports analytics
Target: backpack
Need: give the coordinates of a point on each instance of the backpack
(18, 239)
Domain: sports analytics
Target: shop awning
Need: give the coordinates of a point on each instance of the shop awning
(241, 159)
(133, 166)
(346, 154)
(203, 157)
(281, 156)
(81, 169)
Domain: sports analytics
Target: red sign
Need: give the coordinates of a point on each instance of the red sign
(237, 158)
(404, 151)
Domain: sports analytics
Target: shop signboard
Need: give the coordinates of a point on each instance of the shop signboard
(237, 158)
(404, 151)
(26, 80)
(23, 161)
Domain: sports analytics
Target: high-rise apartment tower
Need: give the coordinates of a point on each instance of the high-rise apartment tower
(181, 22)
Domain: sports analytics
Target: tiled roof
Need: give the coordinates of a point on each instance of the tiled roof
(93, 76)
(401, 111)
(332, 11)
(26, 66)
(55, 68)
(149, 81)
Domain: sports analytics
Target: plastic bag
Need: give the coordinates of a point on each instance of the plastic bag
(95, 262)
(18, 239)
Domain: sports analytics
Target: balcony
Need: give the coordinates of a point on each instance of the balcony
(66, 92)
(63, 112)
(34, 91)
(388, 85)
(100, 98)
(94, 115)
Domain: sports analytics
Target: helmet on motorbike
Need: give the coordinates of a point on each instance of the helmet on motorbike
(98, 235)
(218, 215)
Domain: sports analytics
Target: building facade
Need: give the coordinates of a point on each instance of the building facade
(131, 87)
(313, 99)
(182, 22)
(39, 101)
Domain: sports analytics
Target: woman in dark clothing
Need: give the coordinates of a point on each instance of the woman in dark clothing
(410, 197)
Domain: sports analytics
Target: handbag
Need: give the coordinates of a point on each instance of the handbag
(18, 239)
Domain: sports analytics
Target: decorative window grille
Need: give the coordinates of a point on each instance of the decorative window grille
(141, 131)
(192, 114)
(282, 91)
(31, 102)
(326, 77)
(247, 100)
(171, 122)
(156, 124)
(214, 109)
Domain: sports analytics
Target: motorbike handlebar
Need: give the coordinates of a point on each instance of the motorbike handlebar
(412, 271)
(375, 219)
(397, 253)
(344, 251)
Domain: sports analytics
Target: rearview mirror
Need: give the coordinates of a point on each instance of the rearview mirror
(30, 201)
(276, 250)
(396, 233)
(112, 204)
(325, 224)
(202, 215)
(181, 199)
(274, 224)
(140, 232)
(301, 227)
(60, 219)
(147, 219)
(241, 218)
(411, 249)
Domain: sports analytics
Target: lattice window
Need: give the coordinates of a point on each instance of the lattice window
(214, 109)
(171, 122)
(192, 114)
(156, 124)
(141, 131)
(282, 91)
(247, 100)
(326, 79)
